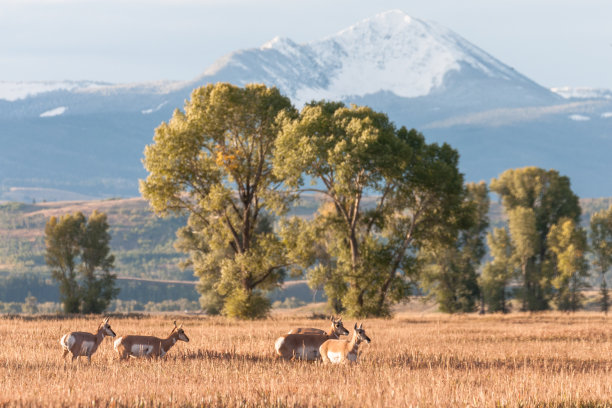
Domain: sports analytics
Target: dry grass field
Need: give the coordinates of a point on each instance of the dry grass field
(552, 360)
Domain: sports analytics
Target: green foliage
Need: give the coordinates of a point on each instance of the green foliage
(600, 233)
(450, 275)
(245, 304)
(535, 200)
(497, 273)
(568, 242)
(79, 257)
(214, 162)
(365, 254)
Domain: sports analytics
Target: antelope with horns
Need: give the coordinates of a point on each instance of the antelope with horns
(305, 346)
(342, 351)
(85, 344)
(148, 346)
(311, 330)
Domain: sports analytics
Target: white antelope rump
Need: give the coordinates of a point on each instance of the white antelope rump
(312, 330)
(85, 344)
(305, 346)
(148, 346)
(342, 351)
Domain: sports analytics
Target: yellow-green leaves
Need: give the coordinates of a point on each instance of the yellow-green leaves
(535, 200)
(214, 161)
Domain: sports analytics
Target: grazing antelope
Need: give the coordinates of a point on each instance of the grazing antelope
(148, 346)
(305, 346)
(85, 344)
(311, 330)
(341, 351)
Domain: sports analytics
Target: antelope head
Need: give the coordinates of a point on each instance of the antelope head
(180, 332)
(338, 327)
(361, 334)
(106, 329)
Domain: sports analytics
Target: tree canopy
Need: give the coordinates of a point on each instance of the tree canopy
(535, 200)
(214, 162)
(78, 253)
(415, 193)
(601, 246)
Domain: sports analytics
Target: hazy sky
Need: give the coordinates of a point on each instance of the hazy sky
(554, 42)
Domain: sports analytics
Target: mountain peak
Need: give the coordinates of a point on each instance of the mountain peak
(385, 22)
(278, 43)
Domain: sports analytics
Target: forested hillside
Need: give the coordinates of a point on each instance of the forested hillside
(142, 244)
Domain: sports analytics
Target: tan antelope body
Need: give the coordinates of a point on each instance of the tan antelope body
(148, 346)
(312, 330)
(305, 346)
(85, 344)
(342, 351)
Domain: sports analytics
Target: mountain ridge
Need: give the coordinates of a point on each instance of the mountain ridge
(89, 137)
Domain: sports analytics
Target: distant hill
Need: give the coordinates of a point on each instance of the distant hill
(143, 245)
(88, 138)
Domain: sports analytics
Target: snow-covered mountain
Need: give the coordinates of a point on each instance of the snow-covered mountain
(89, 137)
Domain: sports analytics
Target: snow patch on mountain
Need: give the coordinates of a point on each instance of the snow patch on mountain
(14, 91)
(583, 93)
(54, 112)
(158, 107)
(579, 118)
(389, 52)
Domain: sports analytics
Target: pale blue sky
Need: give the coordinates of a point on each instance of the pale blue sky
(554, 42)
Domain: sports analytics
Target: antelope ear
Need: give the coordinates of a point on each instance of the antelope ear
(180, 326)
(361, 326)
(355, 326)
(106, 320)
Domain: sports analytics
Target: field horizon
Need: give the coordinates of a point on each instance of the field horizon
(415, 359)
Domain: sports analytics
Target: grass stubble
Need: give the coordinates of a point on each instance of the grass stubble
(551, 360)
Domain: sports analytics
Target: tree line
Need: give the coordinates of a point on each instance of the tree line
(397, 219)
(236, 158)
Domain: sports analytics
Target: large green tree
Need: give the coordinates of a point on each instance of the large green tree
(78, 253)
(568, 242)
(451, 272)
(600, 234)
(534, 200)
(388, 191)
(213, 161)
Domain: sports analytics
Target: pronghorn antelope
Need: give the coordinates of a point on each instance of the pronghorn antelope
(305, 346)
(85, 344)
(148, 346)
(341, 351)
(311, 330)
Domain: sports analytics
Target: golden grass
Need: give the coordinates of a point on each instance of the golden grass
(413, 360)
